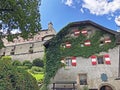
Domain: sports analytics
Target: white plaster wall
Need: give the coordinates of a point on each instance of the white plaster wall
(93, 71)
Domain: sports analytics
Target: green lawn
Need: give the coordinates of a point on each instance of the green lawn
(38, 76)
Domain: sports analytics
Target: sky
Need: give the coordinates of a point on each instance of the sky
(62, 12)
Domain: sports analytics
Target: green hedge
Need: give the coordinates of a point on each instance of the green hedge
(13, 78)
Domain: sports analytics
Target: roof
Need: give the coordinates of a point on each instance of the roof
(88, 22)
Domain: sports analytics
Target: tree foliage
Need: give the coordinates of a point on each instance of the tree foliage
(22, 14)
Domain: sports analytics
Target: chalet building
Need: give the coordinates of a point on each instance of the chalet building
(85, 56)
(30, 49)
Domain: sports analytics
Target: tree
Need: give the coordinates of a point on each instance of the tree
(22, 14)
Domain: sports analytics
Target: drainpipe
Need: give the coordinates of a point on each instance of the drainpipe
(119, 64)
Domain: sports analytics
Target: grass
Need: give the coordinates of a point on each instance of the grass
(38, 76)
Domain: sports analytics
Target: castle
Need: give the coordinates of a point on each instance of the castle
(30, 49)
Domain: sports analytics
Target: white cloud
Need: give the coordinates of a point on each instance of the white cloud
(14, 31)
(68, 2)
(82, 10)
(117, 20)
(101, 7)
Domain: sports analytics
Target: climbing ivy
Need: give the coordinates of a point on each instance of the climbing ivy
(54, 51)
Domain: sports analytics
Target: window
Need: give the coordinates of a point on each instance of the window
(103, 59)
(68, 61)
(100, 60)
(83, 79)
(12, 52)
(31, 50)
(3, 54)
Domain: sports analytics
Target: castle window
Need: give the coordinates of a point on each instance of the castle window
(83, 79)
(103, 59)
(101, 41)
(31, 50)
(100, 60)
(84, 32)
(76, 32)
(87, 43)
(89, 32)
(70, 61)
(107, 39)
(12, 52)
(3, 54)
(68, 45)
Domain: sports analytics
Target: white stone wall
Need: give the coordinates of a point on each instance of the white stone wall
(94, 72)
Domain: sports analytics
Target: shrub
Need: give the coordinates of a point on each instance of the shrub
(38, 62)
(12, 78)
(36, 69)
(27, 63)
(8, 58)
(16, 63)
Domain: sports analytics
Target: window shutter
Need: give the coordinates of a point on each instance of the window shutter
(107, 59)
(87, 43)
(68, 44)
(107, 41)
(76, 32)
(94, 60)
(84, 32)
(73, 61)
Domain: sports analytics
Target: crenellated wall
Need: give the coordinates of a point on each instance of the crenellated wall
(30, 49)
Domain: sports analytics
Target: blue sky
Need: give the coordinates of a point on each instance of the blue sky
(62, 12)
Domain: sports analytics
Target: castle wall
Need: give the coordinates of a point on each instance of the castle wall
(93, 72)
(21, 51)
(30, 49)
